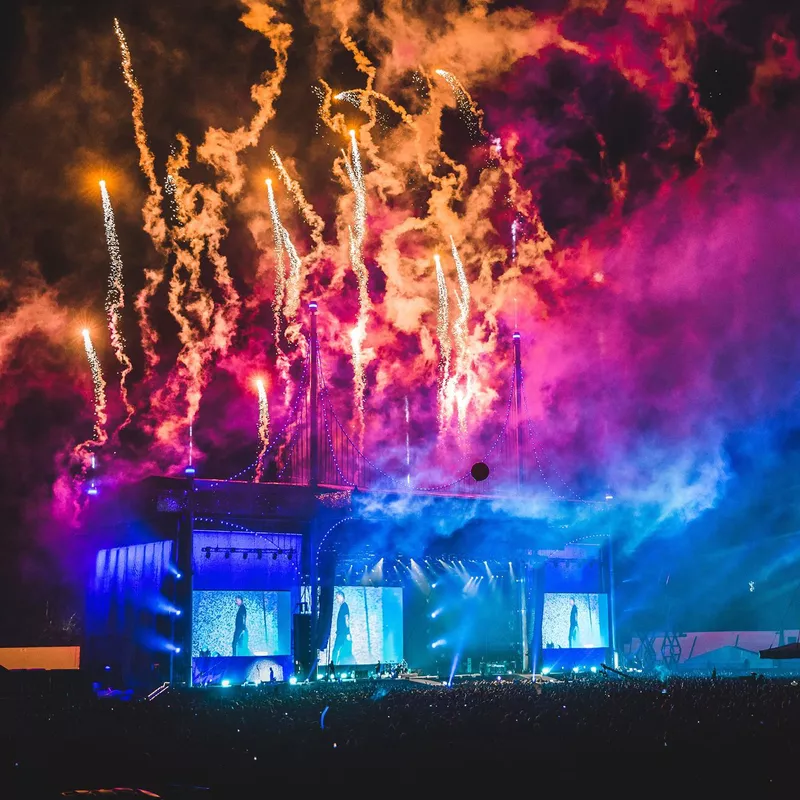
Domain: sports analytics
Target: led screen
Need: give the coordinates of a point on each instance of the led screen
(367, 626)
(575, 620)
(259, 625)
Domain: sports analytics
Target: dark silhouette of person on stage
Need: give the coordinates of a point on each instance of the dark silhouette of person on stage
(573, 623)
(240, 628)
(343, 644)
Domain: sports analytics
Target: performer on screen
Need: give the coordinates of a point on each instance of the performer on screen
(343, 644)
(240, 628)
(573, 623)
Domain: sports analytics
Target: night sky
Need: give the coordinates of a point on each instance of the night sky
(646, 154)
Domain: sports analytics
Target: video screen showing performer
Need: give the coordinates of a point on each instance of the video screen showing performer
(343, 643)
(241, 623)
(575, 620)
(240, 629)
(366, 626)
(573, 623)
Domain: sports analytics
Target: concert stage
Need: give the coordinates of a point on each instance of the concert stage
(451, 584)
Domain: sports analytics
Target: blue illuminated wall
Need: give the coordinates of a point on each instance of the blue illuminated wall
(218, 573)
(128, 620)
(572, 575)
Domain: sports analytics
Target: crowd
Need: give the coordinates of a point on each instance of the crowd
(257, 734)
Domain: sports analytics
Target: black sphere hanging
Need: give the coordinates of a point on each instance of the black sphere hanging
(480, 471)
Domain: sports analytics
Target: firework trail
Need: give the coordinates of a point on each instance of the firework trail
(408, 442)
(463, 379)
(188, 302)
(263, 428)
(443, 333)
(359, 98)
(312, 219)
(154, 223)
(226, 313)
(472, 115)
(280, 238)
(294, 281)
(357, 233)
(514, 229)
(170, 190)
(280, 261)
(115, 301)
(220, 149)
(99, 384)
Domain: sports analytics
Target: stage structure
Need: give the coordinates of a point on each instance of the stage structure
(331, 559)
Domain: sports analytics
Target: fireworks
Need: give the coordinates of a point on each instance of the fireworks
(263, 427)
(170, 190)
(463, 376)
(280, 262)
(99, 385)
(287, 291)
(153, 219)
(470, 113)
(115, 301)
(408, 442)
(443, 334)
(312, 219)
(146, 160)
(357, 232)
(514, 229)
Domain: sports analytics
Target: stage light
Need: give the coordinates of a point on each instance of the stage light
(609, 497)
(438, 643)
(226, 684)
(178, 576)
(177, 612)
(545, 670)
(177, 649)
(107, 668)
(433, 585)
(436, 613)
(92, 490)
(189, 471)
(576, 669)
(594, 669)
